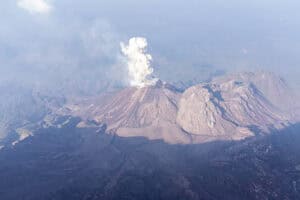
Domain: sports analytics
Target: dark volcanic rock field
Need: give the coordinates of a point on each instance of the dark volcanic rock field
(70, 163)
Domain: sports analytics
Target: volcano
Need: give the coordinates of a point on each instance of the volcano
(227, 108)
(149, 112)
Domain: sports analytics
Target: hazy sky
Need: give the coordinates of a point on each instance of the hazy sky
(75, 41)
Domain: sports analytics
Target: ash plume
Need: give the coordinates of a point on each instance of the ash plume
(138, 62)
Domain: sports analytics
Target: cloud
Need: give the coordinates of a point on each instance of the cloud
(35, 6)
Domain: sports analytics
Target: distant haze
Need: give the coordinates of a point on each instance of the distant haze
(74, 43)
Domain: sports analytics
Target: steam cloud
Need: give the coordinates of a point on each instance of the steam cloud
(138, 62)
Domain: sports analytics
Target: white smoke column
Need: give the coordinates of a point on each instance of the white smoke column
(138, 62)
